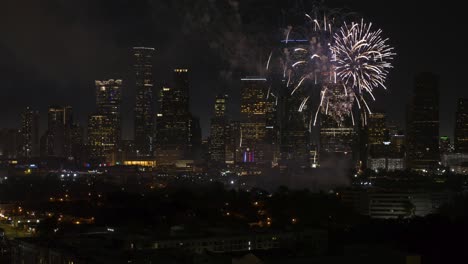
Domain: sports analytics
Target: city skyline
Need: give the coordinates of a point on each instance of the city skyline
(47, 79)
(229, 131)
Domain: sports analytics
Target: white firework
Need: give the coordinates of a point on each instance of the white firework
(361, 57)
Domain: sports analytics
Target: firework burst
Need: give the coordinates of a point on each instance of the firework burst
(308, 68)
(330, 68)
(361, 57)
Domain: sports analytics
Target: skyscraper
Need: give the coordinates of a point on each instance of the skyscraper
(144, 115)
(30, 133)
(220, 106)
(105, 125)
(253, 125)
(53, 142)
(195, 136)
(181, 92)
(338, 139)
(100, 136)
(376, 128)
(108, 102)
(337, 142)
(384, 144)
(378, 138)
(74, 139)
(423, 123)
(461, 126)
(10, 140)
(219, 130)
(294, 133)
(233, 140)
(174, 121)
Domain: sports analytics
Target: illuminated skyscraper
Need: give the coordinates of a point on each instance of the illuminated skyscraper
(384, 150)
(219, 130)
(174, 121)
(378, 138)
(105, 125)
(100, 136)
(220, 106)
(108, 102)
(376, 128)
(233, 140)
(423, 123)
(181, 92)
(461, 126)
(253, 126)
(30, 133)
(144, 115)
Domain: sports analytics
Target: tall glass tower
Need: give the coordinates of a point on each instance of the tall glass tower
(144, 115)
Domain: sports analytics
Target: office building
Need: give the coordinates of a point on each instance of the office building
(423, 124)
(461, 126)
(104, 127)
(108, 103)
(376, 128)
(338, 142)
(175, 127)
(10, 143)
(219, 130)
(101, 141)
(54, 141)
(144, 113)
(30, 133)
(257, 126)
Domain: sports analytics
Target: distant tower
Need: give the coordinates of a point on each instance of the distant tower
(181, 92)
(219, 130)
(144, 115)
(376, 128)
(175, 125)
(108, 102)
(54, 141)
(295, 136)
(337, 142)
(30, 133)
(104, 127)
(10, 143)
(338, 139)
(423, 123)
(461, 126)
(195, 135)
(100, 136)
(381, 153)
(254, 145)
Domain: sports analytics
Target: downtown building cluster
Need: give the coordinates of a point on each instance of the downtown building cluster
(271, 132)
(268, 133)
(168, 134)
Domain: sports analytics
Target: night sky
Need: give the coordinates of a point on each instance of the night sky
(52, 51)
